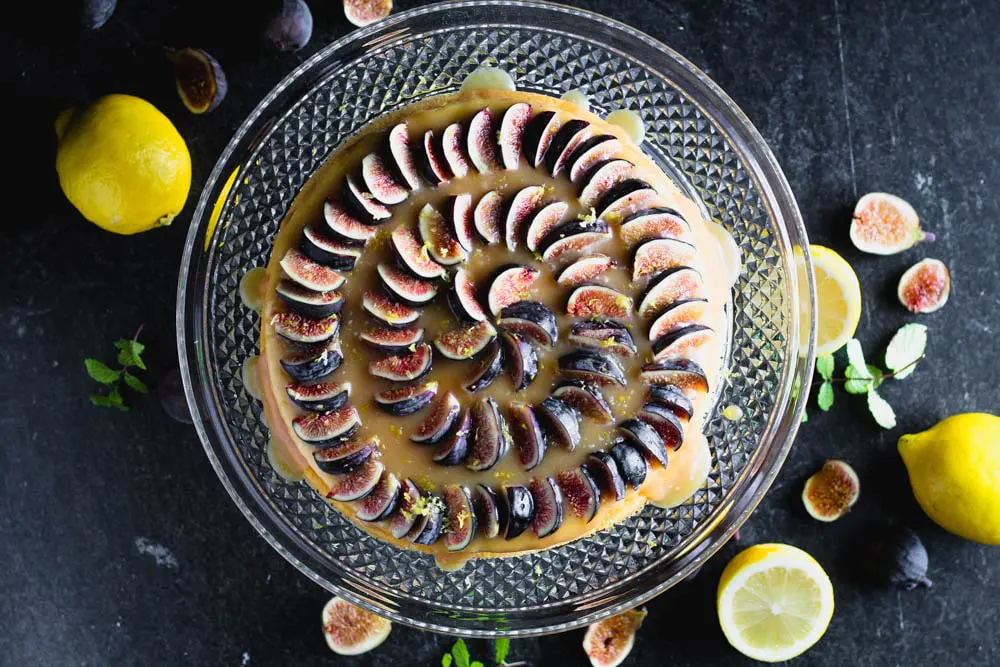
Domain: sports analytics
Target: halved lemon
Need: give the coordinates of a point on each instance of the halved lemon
(838, 298)
(774, 602)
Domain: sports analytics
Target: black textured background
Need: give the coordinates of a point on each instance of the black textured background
(853, 96)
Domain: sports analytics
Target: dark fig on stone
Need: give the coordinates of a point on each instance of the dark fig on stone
(97, 12)
(199, 78)
(898, 559)
(291, 28)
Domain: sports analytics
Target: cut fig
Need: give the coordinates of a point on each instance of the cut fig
(483, 149)
(443, 247)
(380, 181)
(631, 463)
(380, 503)
(363, 203)
(460, 524)
(304, 330)
(884, 224)
(519, 510)
(465, 342)
(565, 141)
(488, 216)
(346, 227)
(313, 362)
(453, 146)
(670, 287)
(462, 298)
(645, 438)
(393, 339)
(488, 368)
(925, 286)
(487, 510)
(435, 165)
(510, 285)
(601, 177)
(343, 457)
(603, 335)
(608, 642)
(538, 135)
(310, 274)
(522, 207)
(319, 397)
(399, 149)
(521, 359)
(460, 217)
(657, 255)
(604, 469)
(673, 398)
(413, 254)
(560, 422)
(430, 520)
(626, 198)
(585, 270)
(574, 238)
(328, 427)
(351, 630)
(531, 320)
(598, 301)
(678, 314)
(403, 367)
(526, 434)
(365, 12)
(681, 341)
(543, 222)
(329, 252)
(831, 492)
(307, 303)
(490, 435)
(411, 291)
(400, 401)
(653, 223)
(586, 399)
(512, 127)
(589, 153)
(404, 517)
(391, 312)
(441, 418)
(681, 373)
(580, 492)
(547, 499)
(592, 367)
(665, 422)
(455, 445)
(199, 78)
(358, 483)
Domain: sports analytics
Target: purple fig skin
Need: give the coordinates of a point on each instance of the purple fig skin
(291, 28)
(97, 12)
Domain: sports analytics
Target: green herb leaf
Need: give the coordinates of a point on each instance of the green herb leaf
(856, 358)
(502, 647)
(824, 399)
(878, 377)
(856, 382)
(805, 417)
(461, 653)
(476, 663)
(136, 384)
(98, 371)
(130, 353)
(905, 348)
(881, 410)
(446, 660)
(112, 400)
(824, 366)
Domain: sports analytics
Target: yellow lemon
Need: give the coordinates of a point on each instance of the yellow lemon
(774, 602)
(122, 164)
(838, 299)
(954, 470)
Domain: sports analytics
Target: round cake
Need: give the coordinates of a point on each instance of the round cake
(491, 325)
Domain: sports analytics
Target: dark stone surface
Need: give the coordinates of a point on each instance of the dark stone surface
(898, 95)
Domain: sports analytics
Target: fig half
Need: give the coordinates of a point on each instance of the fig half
(608, 642)
(884, 224)
(365, 12)
(831, 492)
(351, 630)
(925, 286)
(200, 80)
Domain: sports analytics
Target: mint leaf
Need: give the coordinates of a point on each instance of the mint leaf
(112, 400)
(130, 352)
(805, 417)
(878, 377)
(824, 399)
(98, 371)
(502, 648)
(446, 660)
(476, 663)
(856, 383)
(136, 384)
(905, 348)
(824, 366)
(461, 653)
(856, 358)
(881, 410)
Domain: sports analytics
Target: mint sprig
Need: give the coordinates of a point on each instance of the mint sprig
(129, 358)
(459, 655)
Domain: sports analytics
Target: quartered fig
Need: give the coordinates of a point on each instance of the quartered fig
(645, 438)
(925, 286)
(681, 341)
(526, 434)
(673, 398)
(411, 291)
(483, 149)
(519, 510)
(329, 427)
(657, 255)
(351, 630)
(522, 208)
(665, 422)
(653, 223)
(313, 362)
(678, 314)
(510, 284)
(403, 367)
(490, 435)
(459, 212)
(462, 298)
(631, 463)
(681, 373)
(455, 444)
(363, 203)
(435, 165)
(329, 252)
(565, 141)
(592, 367)
(598, 301)
(547, 499)
(521, 360)
(403, 518)
(365, 12)
(430, 520)
(291, 27)
(309, 274)
(304, 330)
(544, 221)
(393, 339)
(603, 335)
(586, 399)
(414, 255)
(406, 400)
(460, 525)
(343, 457)
(580, 492)
(585, 270)
(488, 216)
(465, 342)
(487, 510)
(380, 181)
(589, 153)
(538, 135)
(402, 155)
(345, 227)
(488, 368)
(442, 415)
(884, 224)
(358, 483)
(443, 247)
(307, 303)
(670, 287)
(831, 492)
(380, 503)
(199, 78)
(560, 422)
(572, 238)
(319, 396)
(626, 198)
(605, 472)
(608, 642)
(453, 146)
(531, 320)
(600, 178)
(391, 312)
(512, 125)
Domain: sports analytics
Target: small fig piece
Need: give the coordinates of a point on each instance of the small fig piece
(531, 320)
(411, 291)
(510, 285)
(522, 207)
(413, 255)
(884, 224)
(585, 270)
(598, 301)
(544, 221)
(515, 119)
(436, 424)
(465, 342)
(291, 28)
(487, 509)
(898, 559)
(380, 503)
(461, 523)
(519, 510)
(366, 12)
(200, 81)
(462, 299)
(831, 492)
(455, 446)
(580, 491)
(925, 286)
(488, 216)
(489, 365)
(404, 367)
(406, 400)
(351, 630)
(442, 245)
(483, 149)
(608, 642)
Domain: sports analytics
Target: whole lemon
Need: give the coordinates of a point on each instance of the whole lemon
(955, 474)
(122, 164)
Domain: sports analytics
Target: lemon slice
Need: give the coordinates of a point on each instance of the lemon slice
(774, 602)
(838, 298)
